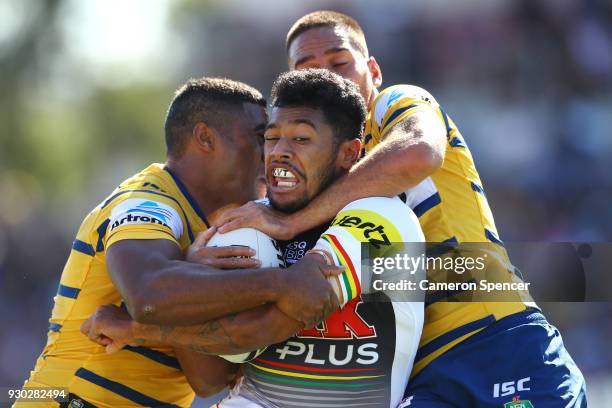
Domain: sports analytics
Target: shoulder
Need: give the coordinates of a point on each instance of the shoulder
(400, 96)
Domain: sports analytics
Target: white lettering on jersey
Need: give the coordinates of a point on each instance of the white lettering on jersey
(145, 211)
(511, 387)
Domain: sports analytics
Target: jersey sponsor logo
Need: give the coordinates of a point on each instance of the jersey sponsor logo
(295, 251)
(510, 387)
(142, 211)
(344, 324)
(337, 355)
(368, 226)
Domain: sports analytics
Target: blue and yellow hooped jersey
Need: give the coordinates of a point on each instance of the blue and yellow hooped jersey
(153, 204)
(452, 208)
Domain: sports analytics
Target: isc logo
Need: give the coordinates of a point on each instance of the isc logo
(510, 387)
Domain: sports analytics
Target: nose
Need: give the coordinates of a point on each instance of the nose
(280, 151)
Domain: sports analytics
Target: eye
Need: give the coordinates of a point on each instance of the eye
(339, 64)
(301, 139)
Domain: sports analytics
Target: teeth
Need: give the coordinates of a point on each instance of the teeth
(284, 173)
(284, 184)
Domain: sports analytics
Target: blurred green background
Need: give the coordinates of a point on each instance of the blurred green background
(84, 86)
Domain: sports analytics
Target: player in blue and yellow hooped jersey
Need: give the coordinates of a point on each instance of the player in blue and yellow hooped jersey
(129, 249)
(413, 149)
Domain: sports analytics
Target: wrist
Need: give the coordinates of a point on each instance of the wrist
(277, 284)
(141, 332)
(294, 225)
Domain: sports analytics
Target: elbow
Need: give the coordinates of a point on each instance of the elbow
(143, 305)
(422, 160)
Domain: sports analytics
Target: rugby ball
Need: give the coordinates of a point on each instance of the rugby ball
(266, 249)
(269, 254)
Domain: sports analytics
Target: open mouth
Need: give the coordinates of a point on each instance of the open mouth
(283, 179)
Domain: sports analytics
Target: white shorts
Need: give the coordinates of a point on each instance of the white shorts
(235, 400)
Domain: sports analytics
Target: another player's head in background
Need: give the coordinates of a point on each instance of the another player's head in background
(334, 41)
(214, 126)
(313, 135)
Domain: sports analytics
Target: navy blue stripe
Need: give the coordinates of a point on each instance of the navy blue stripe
(101, 233)
(427, 204)
(367, 138)
(442, 248)
(83, 247)
(54, 327)
(120, 389)
(397, 113)
(189, 232)
(192, 201)
(155, 355)
(68, 291)
(491, 236)
(456, 142)
(454, 334)
(433, 297)
(446, 123)
(477, 188)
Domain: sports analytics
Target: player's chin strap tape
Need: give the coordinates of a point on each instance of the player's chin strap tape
(74, 401)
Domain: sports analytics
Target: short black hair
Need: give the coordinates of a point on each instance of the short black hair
(326, 18)
(338, 98)
(208, 100)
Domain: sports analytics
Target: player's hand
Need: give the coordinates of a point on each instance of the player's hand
(309, 297)
(110, 326)
(226, 257)
(255, 215)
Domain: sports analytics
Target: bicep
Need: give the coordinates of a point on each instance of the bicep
(410, 113)
(132, 261)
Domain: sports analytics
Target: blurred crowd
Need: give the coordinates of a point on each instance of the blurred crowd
(528, 82)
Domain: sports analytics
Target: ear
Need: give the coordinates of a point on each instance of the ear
(348, 153)
(375, 72)
(204, 137)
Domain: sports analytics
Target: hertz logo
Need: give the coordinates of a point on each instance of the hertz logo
(373, 232)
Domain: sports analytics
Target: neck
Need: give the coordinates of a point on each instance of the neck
(212, 195)
(372, 97)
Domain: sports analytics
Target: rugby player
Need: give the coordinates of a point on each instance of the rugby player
(362, 354)
(469, 351)
(129, 250)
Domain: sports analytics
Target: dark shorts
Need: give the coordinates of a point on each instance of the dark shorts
(517, 362)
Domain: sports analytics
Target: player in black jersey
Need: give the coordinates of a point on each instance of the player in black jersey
(362, 354)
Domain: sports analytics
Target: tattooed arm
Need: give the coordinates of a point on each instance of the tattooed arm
(249, 330)
(113, 328)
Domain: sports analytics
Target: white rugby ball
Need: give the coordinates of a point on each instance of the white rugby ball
(266, 250)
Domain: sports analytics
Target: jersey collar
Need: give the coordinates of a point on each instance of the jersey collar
(190, 199)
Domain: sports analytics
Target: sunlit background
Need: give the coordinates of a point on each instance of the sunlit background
(84, 86)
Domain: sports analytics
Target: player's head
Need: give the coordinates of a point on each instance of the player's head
(217, 123)
(313, 135)
(335, 41)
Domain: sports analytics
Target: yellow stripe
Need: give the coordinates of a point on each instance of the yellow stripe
(348, 273)
(315, 377)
